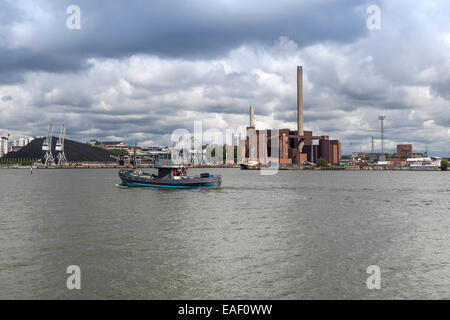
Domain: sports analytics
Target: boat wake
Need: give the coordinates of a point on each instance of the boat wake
(120, 185)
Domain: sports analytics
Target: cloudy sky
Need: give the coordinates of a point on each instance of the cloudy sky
(137, 70)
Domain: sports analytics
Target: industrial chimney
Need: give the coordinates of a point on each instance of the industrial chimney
(300, 101)
(252, 117)
(300, 108)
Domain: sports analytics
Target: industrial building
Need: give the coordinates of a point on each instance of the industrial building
(404, 150)
(295, 146)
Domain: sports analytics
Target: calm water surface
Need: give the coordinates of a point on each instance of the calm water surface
(295, 235)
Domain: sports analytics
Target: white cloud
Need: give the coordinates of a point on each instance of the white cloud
(401, 71)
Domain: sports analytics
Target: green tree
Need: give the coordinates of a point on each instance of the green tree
(322, 162)
(213, 151)
(119, 151)
(444, 164)
(224, 154)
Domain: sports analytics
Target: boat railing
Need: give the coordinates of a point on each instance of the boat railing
(168, 163)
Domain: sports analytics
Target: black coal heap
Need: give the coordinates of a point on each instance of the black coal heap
(75, 151)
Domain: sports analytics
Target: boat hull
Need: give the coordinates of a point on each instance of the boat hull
(424, 168)
(146, 180)
(245, 166)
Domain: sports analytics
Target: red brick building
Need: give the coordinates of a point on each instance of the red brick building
(258, 147)
(404, 150)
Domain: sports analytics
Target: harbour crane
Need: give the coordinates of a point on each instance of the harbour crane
(61, 157)
(47, 148)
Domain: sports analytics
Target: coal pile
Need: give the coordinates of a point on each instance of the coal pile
(75, 152)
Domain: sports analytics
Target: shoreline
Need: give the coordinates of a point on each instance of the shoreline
(284, 168)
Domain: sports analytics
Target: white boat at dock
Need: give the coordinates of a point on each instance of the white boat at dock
(424, 164)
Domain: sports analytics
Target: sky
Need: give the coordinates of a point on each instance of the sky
(138, 70)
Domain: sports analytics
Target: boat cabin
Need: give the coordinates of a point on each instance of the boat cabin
(166, 168)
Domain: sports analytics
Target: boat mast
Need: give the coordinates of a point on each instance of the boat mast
(134, 158)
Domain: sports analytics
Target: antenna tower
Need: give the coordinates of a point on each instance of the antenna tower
(381, 118)
(373, 147)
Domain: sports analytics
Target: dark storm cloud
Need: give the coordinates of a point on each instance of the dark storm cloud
(15, 62)
(199, 28)
(27, 60)
(188, 29)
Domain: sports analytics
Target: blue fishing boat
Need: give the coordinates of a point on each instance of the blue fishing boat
(169, 176)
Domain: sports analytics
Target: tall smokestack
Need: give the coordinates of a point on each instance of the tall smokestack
(300, 108)
(252, 116)
(300, 101)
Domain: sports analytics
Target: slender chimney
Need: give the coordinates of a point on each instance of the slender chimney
(300, 101)
(252, 117)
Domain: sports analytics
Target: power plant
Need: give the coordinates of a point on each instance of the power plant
(295, 146)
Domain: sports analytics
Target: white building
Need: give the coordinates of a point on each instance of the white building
(19, 143)
(22, 142)
(3, 146)
(28, 140)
